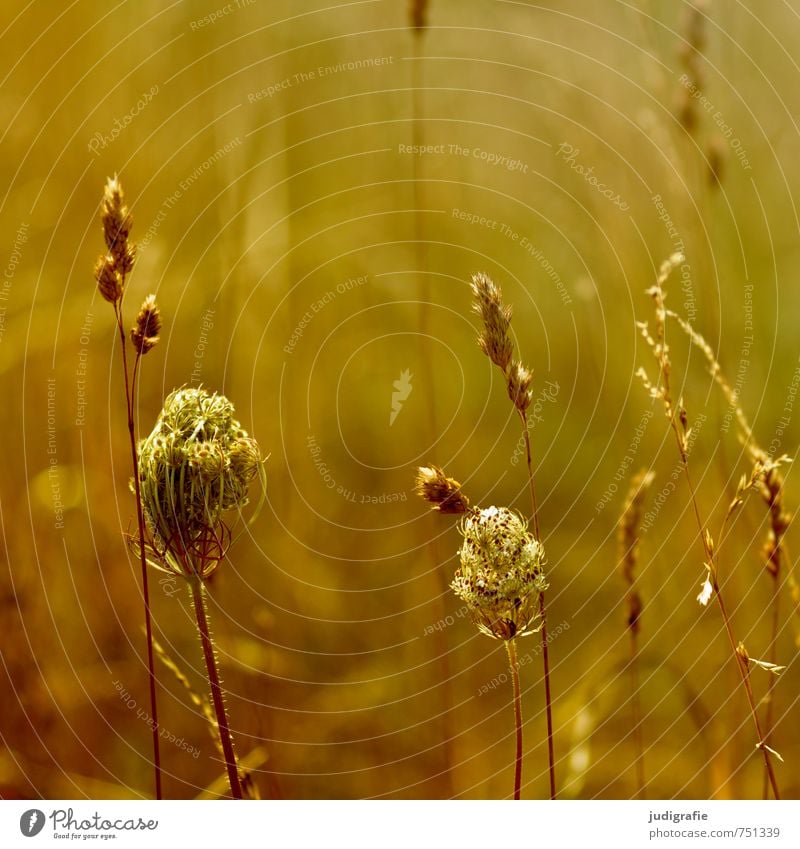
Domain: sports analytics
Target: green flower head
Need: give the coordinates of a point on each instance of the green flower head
(196, 465)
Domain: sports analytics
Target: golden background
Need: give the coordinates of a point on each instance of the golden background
(304, 259)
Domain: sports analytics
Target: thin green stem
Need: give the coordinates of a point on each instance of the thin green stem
(511, 648)
(198, 597)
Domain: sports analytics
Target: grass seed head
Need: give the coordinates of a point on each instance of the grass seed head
(109, 280)
(494, 338)
(441, 492)
(144, 333)
(117, 224)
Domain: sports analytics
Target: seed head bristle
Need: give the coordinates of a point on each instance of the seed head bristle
(658, 345)
(501, 573)
(731, 395)
(144, 333)
(441, 492)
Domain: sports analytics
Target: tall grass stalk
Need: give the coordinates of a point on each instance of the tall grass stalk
(417, 20)
(768, 479)
(628, 538)
(678, 420)
(111, 273)
(495, 341)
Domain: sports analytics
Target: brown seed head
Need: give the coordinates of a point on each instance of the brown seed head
(109, 281)
(494, 339)
(519, 386)
(144, 333)
(117, 223)
(442, 493)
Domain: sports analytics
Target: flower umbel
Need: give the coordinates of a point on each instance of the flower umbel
(501, 573)
(196, 464)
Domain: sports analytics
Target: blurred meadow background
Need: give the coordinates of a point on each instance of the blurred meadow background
(313, 185)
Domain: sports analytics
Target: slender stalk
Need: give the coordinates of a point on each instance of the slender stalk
(712, 562)
(660, 350)
(130, 391)
(511, 648)
(638, 741)
(772, 657)
(543, 614)
(440, 580)
(531, 484)
(198, 598)
(749, 690)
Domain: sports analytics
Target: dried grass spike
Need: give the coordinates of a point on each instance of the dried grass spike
(494, 339)
(117, 223)
(144, 333)
(519, 386)
(109, 281)
(628, 528)
(440, 491)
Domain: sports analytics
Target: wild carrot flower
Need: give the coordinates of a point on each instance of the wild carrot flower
(501, 573)
(197, 464)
